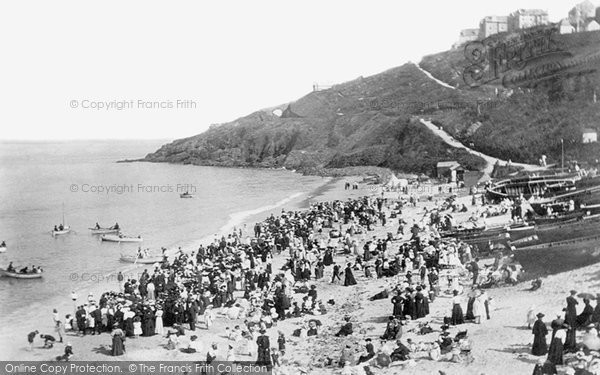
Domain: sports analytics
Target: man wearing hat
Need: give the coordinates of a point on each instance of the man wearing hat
(539, 336)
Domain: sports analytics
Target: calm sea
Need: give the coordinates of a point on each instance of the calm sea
(39, 179)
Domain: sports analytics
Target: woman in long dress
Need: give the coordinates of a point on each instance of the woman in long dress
(457, 313)
(555, 353)
(158, 329)
(349, 279)
(118, 339)
(540, 331)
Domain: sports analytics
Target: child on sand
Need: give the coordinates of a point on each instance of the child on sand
(30, 338)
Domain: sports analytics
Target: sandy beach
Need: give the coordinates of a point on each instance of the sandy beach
(501, 345)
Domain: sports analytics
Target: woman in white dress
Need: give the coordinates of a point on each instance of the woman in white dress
(158, 326)
(478, 307)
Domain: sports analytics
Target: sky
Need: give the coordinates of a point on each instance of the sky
(166, 70)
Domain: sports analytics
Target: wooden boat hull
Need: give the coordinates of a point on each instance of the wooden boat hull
(132, 259)
(186, 196)
(544, 186)
(560, 231)
(555, 257)
(104, 231)
(111, 238)
(17, 275)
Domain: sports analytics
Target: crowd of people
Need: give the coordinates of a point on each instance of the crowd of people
(233, 278)
(563, 337)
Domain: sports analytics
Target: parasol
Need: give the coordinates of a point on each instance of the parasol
(586, 295)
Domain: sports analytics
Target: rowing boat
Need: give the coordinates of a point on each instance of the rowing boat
(65, 230)
(18, 275)
(134, 259)
(186, 195)
(104, 230)
(120, 238)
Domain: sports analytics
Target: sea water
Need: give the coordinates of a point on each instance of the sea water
(42, 181)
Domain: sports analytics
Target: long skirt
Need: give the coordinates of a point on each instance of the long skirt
(117, 345)
(457, 315)
(555, 354)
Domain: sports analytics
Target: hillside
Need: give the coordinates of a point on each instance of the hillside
(374, 120)
(366, 121)
(522, 123)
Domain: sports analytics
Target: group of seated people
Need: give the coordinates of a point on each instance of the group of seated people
(25, 269)
(59, 227)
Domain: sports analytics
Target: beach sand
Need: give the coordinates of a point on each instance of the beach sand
(500, 345)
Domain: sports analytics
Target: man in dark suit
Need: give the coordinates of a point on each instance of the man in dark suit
(192, 314)
(264, 349)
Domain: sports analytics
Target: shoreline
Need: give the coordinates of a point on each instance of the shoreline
(99, 283)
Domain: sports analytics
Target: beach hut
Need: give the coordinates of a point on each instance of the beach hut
(450, 170)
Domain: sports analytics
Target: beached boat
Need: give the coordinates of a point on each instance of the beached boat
(65, 230)
(135, 259)
(120, 238)
(559, 256)
(548, 232)
(104, 230)
(18, 275)
(545, 186)
(186, 195)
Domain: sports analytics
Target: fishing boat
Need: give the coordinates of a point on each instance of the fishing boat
(544, 186)
(186, 195)
(120, 238)
(135, 259)
(104, 230)
(19, 275)
(582, 226)
(558, 256)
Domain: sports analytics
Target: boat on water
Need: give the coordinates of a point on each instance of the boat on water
(65, 230)
(104, 230)
(186, 195)
(559, 256)
(145, 260)
(62, 228)
(19, 275)
(120, 238)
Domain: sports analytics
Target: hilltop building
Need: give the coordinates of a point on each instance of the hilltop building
(465, 36)
(491, 25)
(565, 27)
(526, 18)
(589, 135)
(591, 25)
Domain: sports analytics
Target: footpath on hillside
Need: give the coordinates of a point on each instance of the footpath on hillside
(489, 160)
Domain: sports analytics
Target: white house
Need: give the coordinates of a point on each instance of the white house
(565, 27)
(591, 25)
(589, 135)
